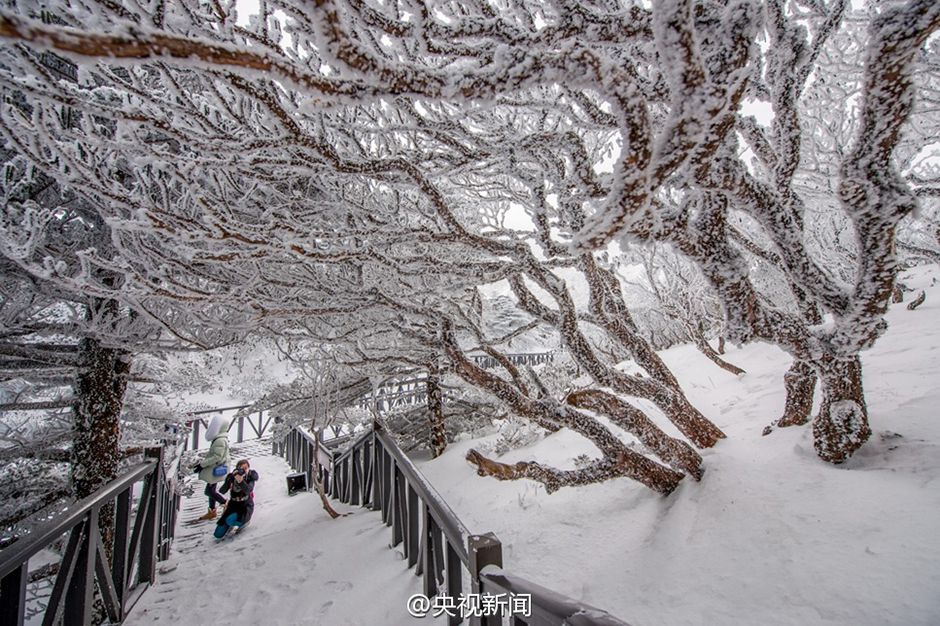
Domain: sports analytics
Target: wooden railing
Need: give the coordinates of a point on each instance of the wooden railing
(410, 389)
(140, 536)
(257, 422)
(374, 472)
(521, 358)
(298, 449)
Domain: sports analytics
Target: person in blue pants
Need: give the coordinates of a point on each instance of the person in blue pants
(240, 483)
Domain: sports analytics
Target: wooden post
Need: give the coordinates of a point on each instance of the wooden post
(414, 516)
(171, 503)
(429, 568)
(355, 479)
(305, 462)
(241, 428)
(367, 470)
(440, 554)
(122, 531)
(80, 593)
(150, 541)
(167, 522)
(454, 585)
(386, 489)
(398, 506)
(376, 474)
(342, 488)
(13, 596)
(295, 452)
(334, 488)
(483, 550)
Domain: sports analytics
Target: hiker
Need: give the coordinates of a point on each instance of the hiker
(241, 502)
(214, 466)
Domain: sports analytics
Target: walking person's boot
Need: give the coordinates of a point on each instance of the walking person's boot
(210, 514)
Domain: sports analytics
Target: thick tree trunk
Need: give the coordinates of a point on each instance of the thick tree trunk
(841, 427)
(435, 403)
(670, 399)
(99, 388)
(96, 411)
(674, 452)
(99, 398)
(703, 346)
(800, 383)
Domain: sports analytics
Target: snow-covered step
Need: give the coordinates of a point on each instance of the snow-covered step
(294, 566)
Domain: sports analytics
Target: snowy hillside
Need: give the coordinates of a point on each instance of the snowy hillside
(771, 535)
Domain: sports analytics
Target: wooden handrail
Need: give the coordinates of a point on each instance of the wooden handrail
(45, 533)
(448, 521)
(86, 565)
(549, 608)
(375, 468)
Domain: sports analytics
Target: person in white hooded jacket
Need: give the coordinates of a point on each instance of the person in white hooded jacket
(213, 468)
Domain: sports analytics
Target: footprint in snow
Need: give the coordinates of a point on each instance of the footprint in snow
(339, 585)
(308, 557)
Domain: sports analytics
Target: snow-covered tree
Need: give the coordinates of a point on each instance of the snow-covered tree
(67, 349)
(62, 347)
(329, 166)
(684, 303)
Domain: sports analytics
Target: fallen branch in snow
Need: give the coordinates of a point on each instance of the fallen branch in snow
(630, 464)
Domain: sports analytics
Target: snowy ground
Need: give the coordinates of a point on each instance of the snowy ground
(771, 535)
(292, 565)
